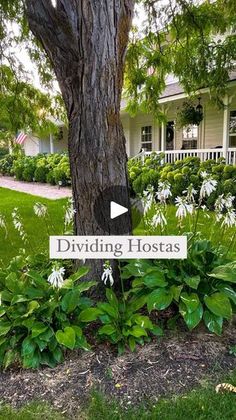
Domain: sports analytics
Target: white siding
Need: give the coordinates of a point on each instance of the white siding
(31, 146)
(213, 126)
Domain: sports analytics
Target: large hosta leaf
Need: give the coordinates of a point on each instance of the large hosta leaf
(219, 304)
(192, 319)
(66, 337)
(159, 299)
(228, 291)
(213, 322)
(155, 278)
(190, 300)
(192, 282)
(225, 272)
(70, 301)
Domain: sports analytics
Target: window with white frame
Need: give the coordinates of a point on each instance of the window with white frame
(146, 138)
(232, 129)
(190, 137)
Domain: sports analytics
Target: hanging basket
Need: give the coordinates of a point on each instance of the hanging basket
(189, 115)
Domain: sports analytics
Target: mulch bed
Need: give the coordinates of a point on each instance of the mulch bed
(170, 365)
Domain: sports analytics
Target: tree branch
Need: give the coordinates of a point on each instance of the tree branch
(52, 25)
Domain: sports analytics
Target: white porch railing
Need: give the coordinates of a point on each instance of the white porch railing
(171, 156)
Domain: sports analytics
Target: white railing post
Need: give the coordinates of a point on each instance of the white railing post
(51, 144)
(226, 128)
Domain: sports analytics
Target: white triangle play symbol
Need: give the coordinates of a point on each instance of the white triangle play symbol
(116, 210)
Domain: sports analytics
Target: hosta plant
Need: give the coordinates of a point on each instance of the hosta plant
(202, 287)
(40, 313)
(123, 324)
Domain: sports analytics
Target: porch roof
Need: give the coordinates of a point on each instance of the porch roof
(176, 89)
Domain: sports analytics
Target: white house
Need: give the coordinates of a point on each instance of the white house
(215, 136)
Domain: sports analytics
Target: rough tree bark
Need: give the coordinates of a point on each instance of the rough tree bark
(86, 42)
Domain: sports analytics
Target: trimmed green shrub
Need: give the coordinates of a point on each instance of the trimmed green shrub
(40, 174)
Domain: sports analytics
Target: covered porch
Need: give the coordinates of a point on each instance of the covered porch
(213, 138)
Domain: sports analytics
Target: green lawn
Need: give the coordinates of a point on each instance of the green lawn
(200, 404)
(38, 233)
(35, 227)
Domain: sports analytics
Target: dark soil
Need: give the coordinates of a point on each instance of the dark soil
(171, 365)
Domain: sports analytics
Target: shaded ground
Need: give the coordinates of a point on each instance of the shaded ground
(51, 192)
(170, 366)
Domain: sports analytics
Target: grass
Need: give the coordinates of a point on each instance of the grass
(38, 232)
(35, 227)
(202, 404)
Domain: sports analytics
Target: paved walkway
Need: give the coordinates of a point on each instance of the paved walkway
(41, 190)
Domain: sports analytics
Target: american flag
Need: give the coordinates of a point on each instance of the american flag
(21, 138)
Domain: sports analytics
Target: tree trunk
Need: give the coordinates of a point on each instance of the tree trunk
(86, 43)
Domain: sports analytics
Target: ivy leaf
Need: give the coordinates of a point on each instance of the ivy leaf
(213, 322)
(219, 304)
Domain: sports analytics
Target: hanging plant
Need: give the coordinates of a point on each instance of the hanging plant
(189, 115)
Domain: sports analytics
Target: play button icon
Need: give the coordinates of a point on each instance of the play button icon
(117, 210)
(112, 210)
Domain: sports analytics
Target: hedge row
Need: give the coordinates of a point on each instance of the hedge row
(53, 169)
(181, 174)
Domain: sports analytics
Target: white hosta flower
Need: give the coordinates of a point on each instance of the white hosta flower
(69, 212)
(208, 186)
(229, 201)
(0, 299)
(220, 203)
(229, 219)
(137, 204)
(148, 199)
(107, 275)
(3, 224)
(18, 225)
(183, 207)
(56, 277)
(40, 210)
(190, 193)
(204, 174)
(163, 192)
(159, 219)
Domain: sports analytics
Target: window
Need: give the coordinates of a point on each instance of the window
(232, 129)
(190, 137)
(146, 138)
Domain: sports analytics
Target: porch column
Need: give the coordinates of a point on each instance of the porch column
(225, 143)
(163, 137)
(51, 143)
